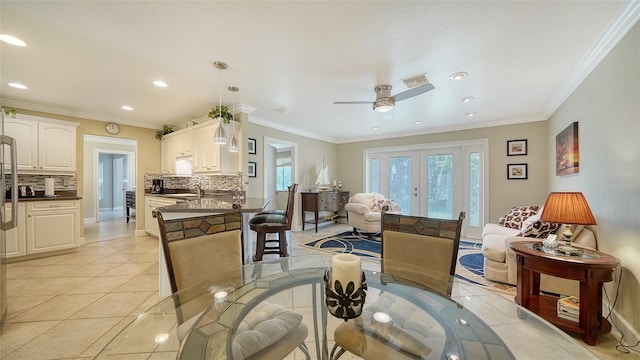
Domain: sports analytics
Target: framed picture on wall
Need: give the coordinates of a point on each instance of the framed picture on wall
(252, 169)
(517, 147)
(251, 146)
(517, 171)
(567, 159)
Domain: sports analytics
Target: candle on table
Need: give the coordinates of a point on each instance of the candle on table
(346, 268)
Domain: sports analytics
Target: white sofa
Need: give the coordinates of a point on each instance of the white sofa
(499, 259)
(364, 211)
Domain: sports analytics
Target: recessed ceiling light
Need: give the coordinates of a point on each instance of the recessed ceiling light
(374, 128)
(417, 122)
(126, 107)
(466, 99)
(18, 86)
(12, 40)
(470, 114)
(458, 76)
(160, 83)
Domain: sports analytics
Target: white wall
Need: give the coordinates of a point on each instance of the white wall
(607, 107)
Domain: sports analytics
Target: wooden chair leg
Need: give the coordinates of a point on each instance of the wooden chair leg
(282, 241)
(260, 240)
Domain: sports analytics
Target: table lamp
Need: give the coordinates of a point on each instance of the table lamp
(567, 208)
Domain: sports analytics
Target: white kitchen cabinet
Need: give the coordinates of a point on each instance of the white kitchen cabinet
(151, 203)
(167, 155)
(56, 147)
(178, 144)
(26, 134)
(52, 225)
(43, 145)
(15, 238)
(213, 158)
(204, 160)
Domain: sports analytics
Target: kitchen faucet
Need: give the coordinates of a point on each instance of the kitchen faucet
(199, 191)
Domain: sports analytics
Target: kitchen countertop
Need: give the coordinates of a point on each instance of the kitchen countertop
(215, 204)
(60, 195)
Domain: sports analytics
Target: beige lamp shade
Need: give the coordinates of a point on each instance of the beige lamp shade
(567, 208)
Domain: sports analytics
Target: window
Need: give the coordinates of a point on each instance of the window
(283, 170)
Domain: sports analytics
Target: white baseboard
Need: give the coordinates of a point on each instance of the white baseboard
(631, 335)
(89, 220)
(140, 233)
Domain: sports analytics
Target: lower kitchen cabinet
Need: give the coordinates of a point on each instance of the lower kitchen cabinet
(52, 225)
(151, 203)
(43, 226)
(15, 238)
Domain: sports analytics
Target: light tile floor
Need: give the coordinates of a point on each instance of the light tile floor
(70, 306)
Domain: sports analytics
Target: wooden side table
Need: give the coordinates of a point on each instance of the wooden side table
(592, 268)
(315, 202)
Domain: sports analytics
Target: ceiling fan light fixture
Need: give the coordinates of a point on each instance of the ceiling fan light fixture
(384, 105)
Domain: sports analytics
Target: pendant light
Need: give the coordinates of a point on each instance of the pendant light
(220, 135)
(233, 143)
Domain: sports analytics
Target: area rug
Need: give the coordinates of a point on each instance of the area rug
(470, 259)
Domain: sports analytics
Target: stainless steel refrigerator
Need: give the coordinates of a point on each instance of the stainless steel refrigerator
(7, 181)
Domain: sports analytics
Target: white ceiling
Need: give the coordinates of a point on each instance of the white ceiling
(292, 60)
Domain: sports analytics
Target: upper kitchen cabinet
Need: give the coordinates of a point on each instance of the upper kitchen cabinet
(43, 145)
(197, 142)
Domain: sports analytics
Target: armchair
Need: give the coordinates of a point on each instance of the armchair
(364, 211)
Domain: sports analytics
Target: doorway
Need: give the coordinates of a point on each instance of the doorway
(280, 171)
(109, 171)
(114, 179)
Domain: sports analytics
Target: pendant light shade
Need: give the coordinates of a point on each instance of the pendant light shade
(220, 135)
(233, 143)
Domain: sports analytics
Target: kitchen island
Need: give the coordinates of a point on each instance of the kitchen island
(189, 210)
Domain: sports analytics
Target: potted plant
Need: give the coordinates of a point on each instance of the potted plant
(166, 129)
(221, 111)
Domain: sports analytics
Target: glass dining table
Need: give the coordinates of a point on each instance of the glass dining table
(203, 321)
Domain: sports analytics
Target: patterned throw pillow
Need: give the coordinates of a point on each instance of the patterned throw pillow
(379, 204)
(534, 227)
(514, 218)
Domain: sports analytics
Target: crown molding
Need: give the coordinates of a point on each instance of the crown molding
(274, 125)
(628, 17)
(68, 112)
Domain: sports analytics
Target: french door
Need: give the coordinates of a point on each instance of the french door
(436, 182)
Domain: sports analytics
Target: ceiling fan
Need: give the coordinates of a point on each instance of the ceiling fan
(385, 102)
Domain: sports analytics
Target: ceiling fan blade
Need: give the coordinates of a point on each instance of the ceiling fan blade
(353, 102)
(413, 92)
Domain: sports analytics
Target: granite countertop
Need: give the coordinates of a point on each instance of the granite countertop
(59, 195)
(216, 204)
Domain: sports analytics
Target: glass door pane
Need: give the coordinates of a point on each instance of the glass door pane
(440, 191)
(400, 181)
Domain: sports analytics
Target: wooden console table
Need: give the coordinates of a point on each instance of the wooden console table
(332, 201)
(592, 268)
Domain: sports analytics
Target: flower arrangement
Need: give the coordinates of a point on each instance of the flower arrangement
(221, 112)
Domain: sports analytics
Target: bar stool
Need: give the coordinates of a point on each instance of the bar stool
(273, 222)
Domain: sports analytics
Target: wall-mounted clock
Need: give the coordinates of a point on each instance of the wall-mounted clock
(112, 128)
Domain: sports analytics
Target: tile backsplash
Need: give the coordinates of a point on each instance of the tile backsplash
(212, 182)
(61, 182)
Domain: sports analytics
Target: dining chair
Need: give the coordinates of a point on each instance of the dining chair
(419, 250)
(273, 222)
(206, 252)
